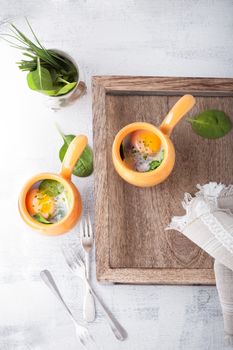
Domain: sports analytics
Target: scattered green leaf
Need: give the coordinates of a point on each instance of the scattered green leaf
(84, 166)
(211, 124)
(51, 187)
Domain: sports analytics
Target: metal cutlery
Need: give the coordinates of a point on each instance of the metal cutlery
(77, 265)
(82, 333)
(87, 241)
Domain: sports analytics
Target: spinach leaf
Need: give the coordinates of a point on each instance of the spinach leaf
(31, 82)
(41, 219)
(154, 164)
(51, 187)
(49, 92)
(211, 124)
(40, 79)
(54, 74)
(84, 165)
(66, 88)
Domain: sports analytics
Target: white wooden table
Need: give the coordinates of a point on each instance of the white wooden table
(186, 38)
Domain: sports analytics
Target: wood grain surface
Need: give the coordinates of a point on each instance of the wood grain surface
(131, 243)
(165, 85)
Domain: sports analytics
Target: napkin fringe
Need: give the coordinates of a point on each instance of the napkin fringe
(178, 223)
(211, 192)
(212, 189)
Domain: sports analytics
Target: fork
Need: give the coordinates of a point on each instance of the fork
(87, 244)
(77, 265)
(82, 333)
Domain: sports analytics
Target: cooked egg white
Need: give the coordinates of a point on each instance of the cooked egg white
(140, 148)
(52, 209)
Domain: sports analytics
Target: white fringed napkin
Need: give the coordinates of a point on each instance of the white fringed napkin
(208, 222)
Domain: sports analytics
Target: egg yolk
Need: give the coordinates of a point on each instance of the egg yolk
(145, 141)
(39, 203)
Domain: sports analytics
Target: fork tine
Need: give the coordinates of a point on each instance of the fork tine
(74, 261)
(90, 226)
(86, 228)
(76, 258)
(82, 231)
(79, 260)
(67, 257)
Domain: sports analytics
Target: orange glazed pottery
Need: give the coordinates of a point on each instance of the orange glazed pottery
(73, 153)
(153, 177)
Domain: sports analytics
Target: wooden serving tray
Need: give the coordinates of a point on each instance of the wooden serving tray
(131, 243)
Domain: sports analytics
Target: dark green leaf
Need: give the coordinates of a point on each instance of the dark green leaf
(53, 74)
(41, 219)
(67, 139)
(51, 187)
(84, 166)
(211, 124)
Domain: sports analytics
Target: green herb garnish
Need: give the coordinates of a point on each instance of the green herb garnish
(154, 164)
(49, 72)
(211, 124)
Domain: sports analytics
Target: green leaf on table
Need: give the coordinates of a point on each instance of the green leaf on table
(41, 219)
(40, 79)
(211, 124)
(51, 187)
(84, 165)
